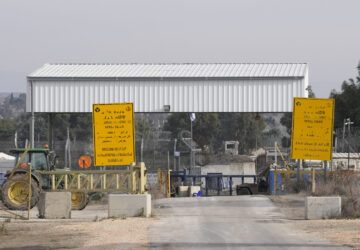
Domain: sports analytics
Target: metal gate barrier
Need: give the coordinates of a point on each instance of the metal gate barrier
(131, 181)
(216, 178)
(164, 182)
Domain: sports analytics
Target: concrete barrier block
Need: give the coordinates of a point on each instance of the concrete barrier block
(183, 191)
(193, 189)
(322, 207)
(55, 205)
(129, 205)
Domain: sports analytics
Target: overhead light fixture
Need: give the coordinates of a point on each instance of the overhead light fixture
(166, 108)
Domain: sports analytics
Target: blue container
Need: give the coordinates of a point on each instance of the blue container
(2, 175)
(272, 181)
(198, 194)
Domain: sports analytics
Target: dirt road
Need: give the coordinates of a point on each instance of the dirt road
(236, 222)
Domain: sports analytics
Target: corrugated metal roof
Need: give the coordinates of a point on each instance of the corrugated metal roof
(345, 155)
(183, 70)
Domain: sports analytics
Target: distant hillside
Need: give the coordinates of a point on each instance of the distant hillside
(12, 105)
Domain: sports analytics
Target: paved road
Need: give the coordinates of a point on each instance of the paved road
(237, 222)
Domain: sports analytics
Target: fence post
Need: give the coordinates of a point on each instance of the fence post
(30, 193)
(298, 170)
(132, 180)
(168, 184)
(218, 185)
(275, 182)
(142, 178)
(206, 186)
(53, 182)
(325, 170)
(313, 181)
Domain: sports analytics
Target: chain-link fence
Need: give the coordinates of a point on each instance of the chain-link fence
(156, 151)
(346, 140)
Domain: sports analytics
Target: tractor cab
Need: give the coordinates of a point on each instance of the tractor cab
(41, 159)
(37, 157)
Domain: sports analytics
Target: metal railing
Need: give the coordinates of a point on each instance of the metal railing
(299, 173)
(129, 181)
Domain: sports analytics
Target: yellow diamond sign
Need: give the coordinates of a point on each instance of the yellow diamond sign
(312, 129)
(113, 134)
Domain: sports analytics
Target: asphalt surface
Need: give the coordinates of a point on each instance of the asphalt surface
(237, 222)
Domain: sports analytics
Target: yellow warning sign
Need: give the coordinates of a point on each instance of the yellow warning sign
(312, 129)
(113, 134)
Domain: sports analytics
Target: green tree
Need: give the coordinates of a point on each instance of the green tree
(347, 101)
(7, 128)
(286, 121)
(274, 132)
(205, 127)
(80, 125)
(243, 127)
(311, 93)
(143, 128)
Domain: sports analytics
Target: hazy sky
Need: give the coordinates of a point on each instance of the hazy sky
(323, 33)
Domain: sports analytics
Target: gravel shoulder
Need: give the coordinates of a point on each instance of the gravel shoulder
(88, 231)
(343, 231)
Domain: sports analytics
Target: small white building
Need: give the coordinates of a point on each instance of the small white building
(340, 161)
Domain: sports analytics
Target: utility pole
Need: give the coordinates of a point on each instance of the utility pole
(192, 118)
(175, 140)
(191, 147)
(275, 153)
(343, 140)
(142, 149)
(32, 121)
(348, 123)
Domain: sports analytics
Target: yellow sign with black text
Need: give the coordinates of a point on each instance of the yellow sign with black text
(312, 129)
(113, 134)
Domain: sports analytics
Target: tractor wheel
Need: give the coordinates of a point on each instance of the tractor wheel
(79, 200)
(15, 192)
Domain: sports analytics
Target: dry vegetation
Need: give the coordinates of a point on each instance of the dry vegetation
(344, 184)
(339, 183)
(344, 230)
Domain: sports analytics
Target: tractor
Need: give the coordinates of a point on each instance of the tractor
(15, 190)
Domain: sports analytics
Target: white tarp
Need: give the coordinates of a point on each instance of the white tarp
(4, 156)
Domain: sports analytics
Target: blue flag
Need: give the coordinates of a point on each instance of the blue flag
(192, 117)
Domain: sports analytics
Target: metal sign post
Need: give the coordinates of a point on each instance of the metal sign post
(348, 123)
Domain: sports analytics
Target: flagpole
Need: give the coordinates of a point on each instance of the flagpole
(191, 146)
